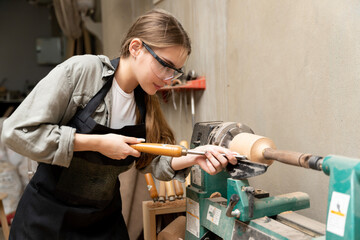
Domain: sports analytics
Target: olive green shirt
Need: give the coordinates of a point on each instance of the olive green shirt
(37, 129)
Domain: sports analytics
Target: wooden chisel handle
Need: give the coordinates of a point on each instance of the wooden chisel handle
(170, 191)
(178, 189)
(151, 186)
(160, 149)
(162, 191)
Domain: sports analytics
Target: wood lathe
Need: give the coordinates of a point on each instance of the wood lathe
(243, 212)
(225, 206)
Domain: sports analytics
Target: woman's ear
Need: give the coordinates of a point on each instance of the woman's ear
(135, 47)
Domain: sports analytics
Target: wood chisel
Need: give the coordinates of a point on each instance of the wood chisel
(242, 170)
(171, 150)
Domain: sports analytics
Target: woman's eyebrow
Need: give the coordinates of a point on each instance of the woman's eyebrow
(168, 62)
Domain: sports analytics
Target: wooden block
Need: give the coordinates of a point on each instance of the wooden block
(151, 209)
(175, 230)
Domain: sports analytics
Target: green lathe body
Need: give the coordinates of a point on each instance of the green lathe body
(207, 216)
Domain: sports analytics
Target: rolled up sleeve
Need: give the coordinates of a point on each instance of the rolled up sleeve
(34, 130)
(161, 169)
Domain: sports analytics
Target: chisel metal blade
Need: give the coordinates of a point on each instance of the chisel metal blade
(238, 156)
(242, 169)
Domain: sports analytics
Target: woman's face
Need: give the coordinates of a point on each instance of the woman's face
(151, 73)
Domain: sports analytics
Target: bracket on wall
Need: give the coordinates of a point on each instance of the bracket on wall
(196, 84)
(156, 1)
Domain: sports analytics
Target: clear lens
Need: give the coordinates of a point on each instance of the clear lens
(164, 73)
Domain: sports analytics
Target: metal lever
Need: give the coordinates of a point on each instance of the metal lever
(234, 199)
(250, 192)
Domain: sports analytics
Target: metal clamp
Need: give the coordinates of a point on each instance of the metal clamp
(250, 191)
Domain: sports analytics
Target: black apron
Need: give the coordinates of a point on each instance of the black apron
(82, 201)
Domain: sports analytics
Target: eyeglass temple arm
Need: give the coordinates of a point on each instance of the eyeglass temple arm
(165, 64)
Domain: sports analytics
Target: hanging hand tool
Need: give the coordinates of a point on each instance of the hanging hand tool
(243, 168)
(186, 106)
(180, 106)
(192, 75)
(173, 98)
(192, 108)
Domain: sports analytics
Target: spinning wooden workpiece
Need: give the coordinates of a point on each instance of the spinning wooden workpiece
(263, 150)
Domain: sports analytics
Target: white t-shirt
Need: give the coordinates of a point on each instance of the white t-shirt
(123, 107)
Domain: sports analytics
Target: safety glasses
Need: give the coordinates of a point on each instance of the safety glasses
(161, 68)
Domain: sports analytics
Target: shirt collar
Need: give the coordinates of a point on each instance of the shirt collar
(109, 67)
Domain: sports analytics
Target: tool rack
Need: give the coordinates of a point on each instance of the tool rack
(197, 84)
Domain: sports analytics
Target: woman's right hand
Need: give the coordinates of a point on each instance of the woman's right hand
(117, 146)
(111, 145)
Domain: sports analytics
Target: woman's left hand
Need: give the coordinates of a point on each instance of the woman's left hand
(213, 162)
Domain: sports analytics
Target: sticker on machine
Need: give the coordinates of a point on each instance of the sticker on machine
(196, 175)
(337, 213)
(192, 217)
(213, 214)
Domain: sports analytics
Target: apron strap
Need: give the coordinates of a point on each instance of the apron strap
(90, 108)
(140, 102)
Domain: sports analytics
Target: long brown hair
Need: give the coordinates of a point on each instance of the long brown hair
(159, 29)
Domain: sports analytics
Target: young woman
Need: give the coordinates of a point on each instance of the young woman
(78, 123)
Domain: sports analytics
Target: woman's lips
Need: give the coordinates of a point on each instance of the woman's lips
(157, 86)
